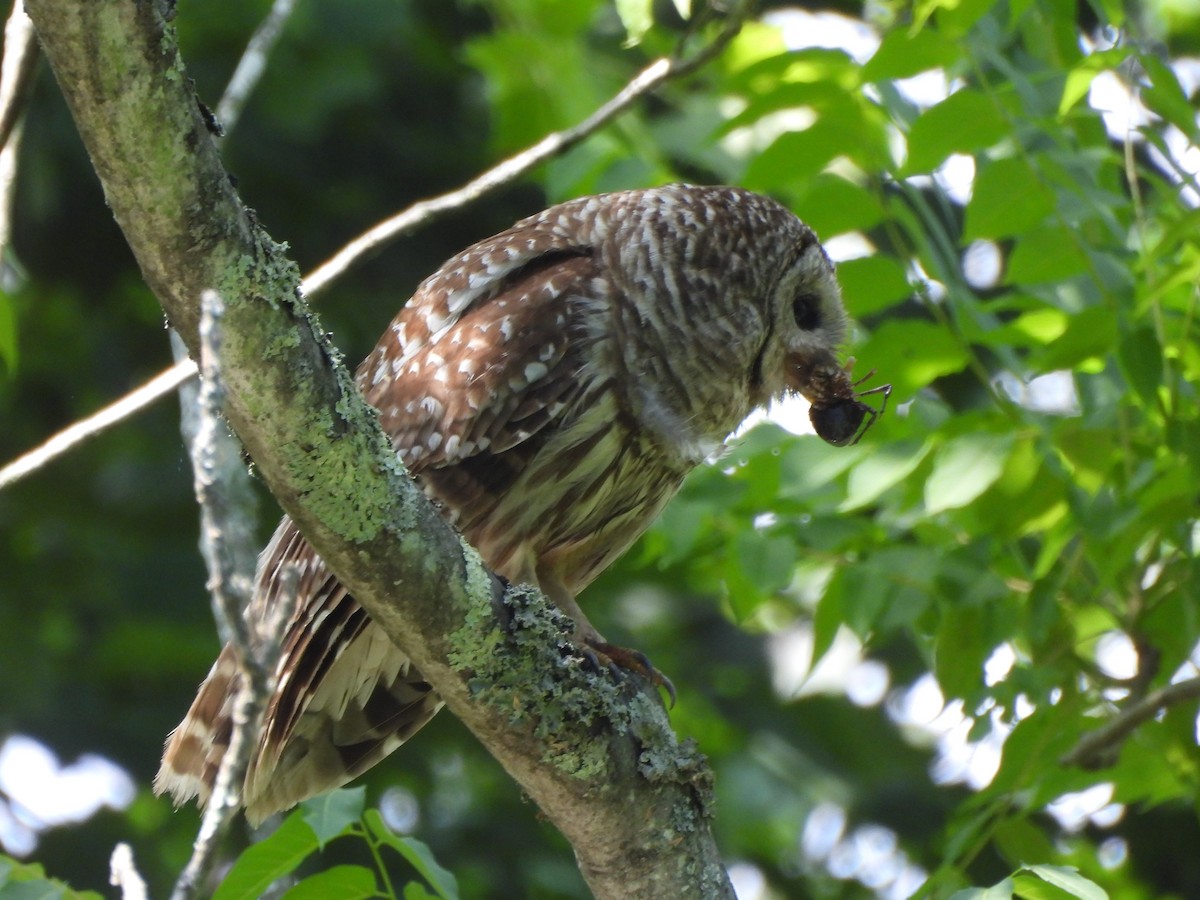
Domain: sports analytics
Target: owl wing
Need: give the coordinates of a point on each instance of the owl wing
(478, 363)
(486, 352)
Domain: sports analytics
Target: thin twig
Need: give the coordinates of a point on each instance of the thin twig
(16, 78)
(405, 222)
(425, 211)
(1098, 749)
(252, 64)
(123, 874)
(79, 432)
(16, 71)
(226, 542)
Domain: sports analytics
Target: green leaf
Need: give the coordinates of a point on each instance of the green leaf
(1008, 199)
(8, 333)
(887, 466)
(344, 882)
(797, 156)
(1165, 96)
(902, 54)
(1020, 839)
(1069, 880)
(1000, 891)
(1141, 359)
(32, 890)
(961, 649)
(1079, 79)
(28, 881)
(414, 890)
(637, 16)
(871, 284)
(964, 122)
(264, 863)
(329, 815)
(1046, 254)
(964, 468)
(833, 205)
(419, 856)
(766, 559)
(911, 354)
(1090, 334)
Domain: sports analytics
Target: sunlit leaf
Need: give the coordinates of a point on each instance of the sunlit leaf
(910, 354)
(964, 468)
(1069, 880)
(637, 16)
(1090, 333)
(1002, 890)
(833, 205)
(902, 55)
(871, 284)
(1009, 198)
(264, 863)
(1080, 77)
(883, 469)
(965, 121)
(1052, 253)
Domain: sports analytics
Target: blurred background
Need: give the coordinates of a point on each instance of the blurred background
(884, 650)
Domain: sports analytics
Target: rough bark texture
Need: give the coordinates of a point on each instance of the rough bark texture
(598, 758)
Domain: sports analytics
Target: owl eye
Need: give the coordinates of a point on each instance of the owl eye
(806, 310)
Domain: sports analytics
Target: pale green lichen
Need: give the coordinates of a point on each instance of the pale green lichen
(530, 672)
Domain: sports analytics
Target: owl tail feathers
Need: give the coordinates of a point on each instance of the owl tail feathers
(194, 749)
(368, 702)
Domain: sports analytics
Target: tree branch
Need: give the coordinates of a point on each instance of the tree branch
(1098, 749)
(597, 756)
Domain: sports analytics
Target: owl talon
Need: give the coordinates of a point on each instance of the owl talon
(620, 660)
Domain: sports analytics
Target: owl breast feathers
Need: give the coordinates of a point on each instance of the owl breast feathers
(549, 388)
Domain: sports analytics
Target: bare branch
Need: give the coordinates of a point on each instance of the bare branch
(123, 874)
(1098, 749)
(252, 64)
(16, 76)
(409, 220)
(85, 429)
(226, 536)
(16, 71)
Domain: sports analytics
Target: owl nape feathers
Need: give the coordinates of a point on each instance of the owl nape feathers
(549, 388)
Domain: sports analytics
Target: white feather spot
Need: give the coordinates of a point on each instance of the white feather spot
(535, 371)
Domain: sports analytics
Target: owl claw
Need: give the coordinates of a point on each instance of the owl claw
(620, 660)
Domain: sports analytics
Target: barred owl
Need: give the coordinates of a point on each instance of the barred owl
(549, 388)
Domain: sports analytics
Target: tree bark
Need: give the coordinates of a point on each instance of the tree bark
(597, 756)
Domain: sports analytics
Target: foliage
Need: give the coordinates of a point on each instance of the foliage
(308, 830)
(988, 531)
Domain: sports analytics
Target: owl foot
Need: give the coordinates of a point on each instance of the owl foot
(619, 660)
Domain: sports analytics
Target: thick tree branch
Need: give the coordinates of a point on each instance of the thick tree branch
(597, 756)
